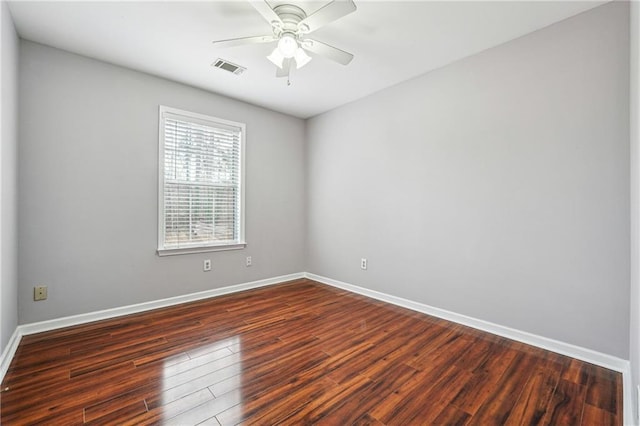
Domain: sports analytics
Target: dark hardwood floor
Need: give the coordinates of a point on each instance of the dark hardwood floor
(297, 353)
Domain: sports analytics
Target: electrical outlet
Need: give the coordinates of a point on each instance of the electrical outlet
(248, 261)
(40, 292)
(206, 265)
(363, 263)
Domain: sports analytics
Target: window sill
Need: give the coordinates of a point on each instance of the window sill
(191, 250)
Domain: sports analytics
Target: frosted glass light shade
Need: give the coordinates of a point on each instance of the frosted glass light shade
(301, 57)
(287, 45)
(276, 57)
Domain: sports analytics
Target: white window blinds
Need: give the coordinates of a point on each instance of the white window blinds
(201, 194)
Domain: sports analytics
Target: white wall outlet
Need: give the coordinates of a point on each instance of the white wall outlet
(206, 265)
(248, 261)
(363, 263)
(40, 292)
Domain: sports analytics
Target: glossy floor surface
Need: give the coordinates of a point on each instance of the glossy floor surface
(297, 353)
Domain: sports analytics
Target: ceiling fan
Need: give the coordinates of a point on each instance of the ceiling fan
(290, 26)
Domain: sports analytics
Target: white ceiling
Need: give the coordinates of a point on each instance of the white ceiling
(392, 41)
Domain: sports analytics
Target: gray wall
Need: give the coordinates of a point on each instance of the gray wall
(634, 334)
(8, 177)
(496, 187)
(88, 188)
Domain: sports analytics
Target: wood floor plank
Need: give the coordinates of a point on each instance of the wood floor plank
(451, 415)
(267, 389)
(534, 399)
(168, 409)
(205, 411)
(108, 358)
(576, 372)
(312, 410)
(270, 374)
(485, 379)
(565, 406)
(403, 404)
(423, 403)
(358, 406)
(601, 393)
(594, 416)
(291, 398)
(297, 353)
(367, 420)
(114, 408)
(498, 407)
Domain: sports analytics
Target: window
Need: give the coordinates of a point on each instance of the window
(200, 205)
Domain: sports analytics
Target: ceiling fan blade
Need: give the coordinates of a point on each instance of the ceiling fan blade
(329, 52)
(328, 13)
(244, 40)
(286, 67)
(267, 13)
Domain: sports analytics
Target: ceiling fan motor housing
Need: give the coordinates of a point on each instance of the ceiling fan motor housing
(290, 16)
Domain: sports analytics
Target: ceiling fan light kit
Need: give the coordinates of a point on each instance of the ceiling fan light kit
(288, 48)
(290, 26)
(287, 45)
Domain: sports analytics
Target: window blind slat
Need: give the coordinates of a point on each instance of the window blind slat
(202, 182)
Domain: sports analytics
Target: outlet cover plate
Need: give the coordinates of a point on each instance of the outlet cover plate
(40, 292)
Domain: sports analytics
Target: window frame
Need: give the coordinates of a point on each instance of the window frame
(189, 116)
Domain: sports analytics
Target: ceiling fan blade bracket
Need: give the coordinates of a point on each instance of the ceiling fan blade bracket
(303, 28)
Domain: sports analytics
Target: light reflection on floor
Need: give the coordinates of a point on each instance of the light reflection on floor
(209, 372)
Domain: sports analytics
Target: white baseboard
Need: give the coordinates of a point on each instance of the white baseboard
(628, 397)
(583, 354)
(53, 324)
(9, 352)
(39, 327)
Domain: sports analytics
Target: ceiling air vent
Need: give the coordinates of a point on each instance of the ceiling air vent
(228, 66)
